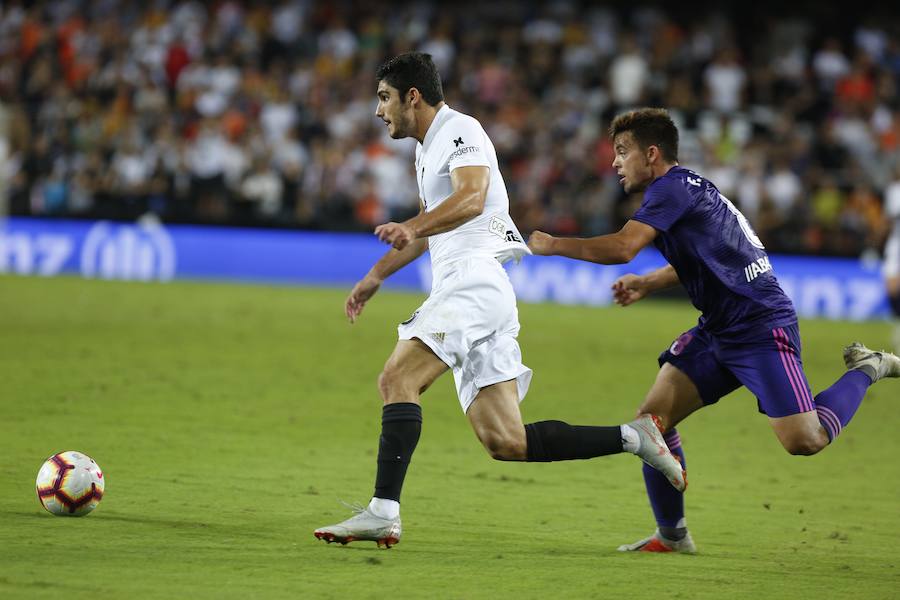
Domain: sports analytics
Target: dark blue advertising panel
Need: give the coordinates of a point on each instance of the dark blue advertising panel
(148, 251)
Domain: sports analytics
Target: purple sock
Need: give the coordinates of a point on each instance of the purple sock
(837, 404)
(666, 501)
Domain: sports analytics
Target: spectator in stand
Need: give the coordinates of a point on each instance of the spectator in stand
(217, 92)
(260, 192)
(207, 158)
(830, 64)
(628, 74)
(725, 81)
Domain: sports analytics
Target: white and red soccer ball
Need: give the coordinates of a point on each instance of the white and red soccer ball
(70, 484)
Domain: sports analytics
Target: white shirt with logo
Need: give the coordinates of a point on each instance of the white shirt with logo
(456, 140)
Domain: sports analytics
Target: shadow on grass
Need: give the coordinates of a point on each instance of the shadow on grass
(105, 515)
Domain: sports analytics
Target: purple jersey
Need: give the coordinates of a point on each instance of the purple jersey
(718, 257)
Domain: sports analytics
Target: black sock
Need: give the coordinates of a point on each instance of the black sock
(401, 424)
(555, 440)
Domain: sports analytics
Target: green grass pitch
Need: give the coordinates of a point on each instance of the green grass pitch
(229, 420)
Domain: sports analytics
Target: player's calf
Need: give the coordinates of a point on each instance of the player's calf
(503, 445)
(496, 421)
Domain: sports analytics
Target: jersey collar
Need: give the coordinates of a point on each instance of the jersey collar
(439, 117)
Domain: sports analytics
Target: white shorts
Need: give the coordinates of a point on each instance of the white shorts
(470, 322)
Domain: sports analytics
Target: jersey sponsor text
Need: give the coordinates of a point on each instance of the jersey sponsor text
(757, 268)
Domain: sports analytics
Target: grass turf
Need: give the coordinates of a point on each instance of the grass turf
(230, 419)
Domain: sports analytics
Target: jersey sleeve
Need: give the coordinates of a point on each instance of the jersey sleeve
(464, 143)
(665, 201)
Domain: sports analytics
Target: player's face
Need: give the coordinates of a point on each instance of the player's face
(631, 163)
(397, 114)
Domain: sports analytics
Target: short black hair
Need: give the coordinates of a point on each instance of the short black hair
(650, 127)
(413, 70)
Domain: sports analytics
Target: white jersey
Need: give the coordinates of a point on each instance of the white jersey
(456, 140)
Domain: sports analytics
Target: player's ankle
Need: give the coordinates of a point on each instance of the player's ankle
(672, 534)
(384, 508)
(631, 441)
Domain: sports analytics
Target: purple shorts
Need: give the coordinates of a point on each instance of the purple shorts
(768, 363)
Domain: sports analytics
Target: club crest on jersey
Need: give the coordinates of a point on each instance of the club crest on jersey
(498, 227)
(757, 268)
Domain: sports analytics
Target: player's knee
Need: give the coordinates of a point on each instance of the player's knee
(804, 445)
(504, 446)
(384, 384)
(391, 384)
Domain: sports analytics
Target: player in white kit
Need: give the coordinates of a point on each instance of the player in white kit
(469, 322)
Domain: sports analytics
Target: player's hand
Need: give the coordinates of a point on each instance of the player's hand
(628, 289)
(397, 235)
(359, 295)
(540, 243)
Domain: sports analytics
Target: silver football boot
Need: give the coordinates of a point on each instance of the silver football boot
(876, 365)
(658, 543)
(363, 526)
(654, 451)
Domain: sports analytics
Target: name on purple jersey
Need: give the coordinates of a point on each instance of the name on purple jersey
(757, 268)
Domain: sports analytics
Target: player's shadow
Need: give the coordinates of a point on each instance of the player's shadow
(31, 515)
(155, 520)
(139, 519)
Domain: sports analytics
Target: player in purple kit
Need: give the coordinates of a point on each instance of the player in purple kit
(747, 333)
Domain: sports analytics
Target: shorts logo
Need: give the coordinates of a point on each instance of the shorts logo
(439, 337)
(681, 343)
(411, 318)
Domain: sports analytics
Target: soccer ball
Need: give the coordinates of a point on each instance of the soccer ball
(70, 484)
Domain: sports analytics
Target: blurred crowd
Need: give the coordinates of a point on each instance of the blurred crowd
(259, 113)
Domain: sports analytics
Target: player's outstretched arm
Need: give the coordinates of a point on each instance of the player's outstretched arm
(470, 185)
(630, 288)
(613, 249)
(386, 266)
